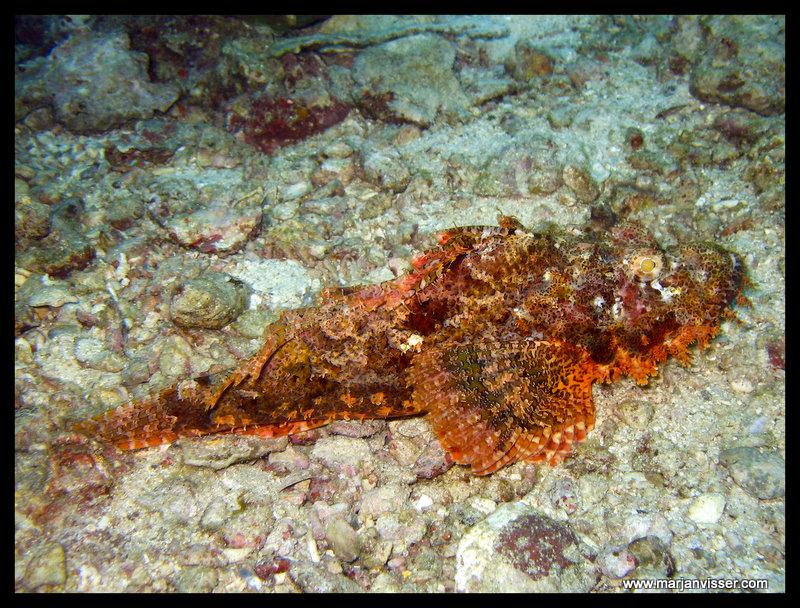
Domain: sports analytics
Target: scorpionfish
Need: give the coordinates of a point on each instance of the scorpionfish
(497, 335)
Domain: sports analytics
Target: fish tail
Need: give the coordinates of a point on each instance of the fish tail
(154, 420)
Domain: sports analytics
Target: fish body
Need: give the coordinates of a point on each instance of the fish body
(497, 335)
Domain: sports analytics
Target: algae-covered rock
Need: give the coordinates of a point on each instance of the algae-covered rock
(210, 301)
(342, 539)
(761, 473)
(31, 218)
(46, 567)
(58, 254)
(413, 77)
(93, 83)
(519, 549)
(742, 62)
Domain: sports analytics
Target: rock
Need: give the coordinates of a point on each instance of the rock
(335, 172)
(252, 322)
(742, 62)
(742, 385)
(432, 461)
(327, 513)
(336, 451)
(229, 450)
(407, 134)
(616, 563)
(221, 227)
(285, 210)
(383, 499)
(483, 505)
(561, 117)
(31, 218)
(314, 579)
(337, 149)
(23, 353)
(544, 177)
(94, 82)
(215, 514)
(522, 169)
(289, 459)
(564, 495)
(404, 526)
(481, 85)
(353, 428)
(409, 80)
(404, 451)
(174, 498)
(707, 508)
(47, 566)
(504, 175)
(385, 583)
(326, 206)
(363, 30)
(653, 559)
(530, 62)
(343, 539)
(287, 283)
(466, 513)
(374, 551)
(124, 212)
(196, 579)
(295, 191)
(641, 525)
(411, 427)
(59, 253)
(423, 502)
(386, 170)
(580, 183)
(647, 51)
(54, 296)
(174, 360)
(210, 301)
(137, 371)
(39, 119)
(94, 353)
(517, 548)
(687, 35)
(761, 473)
(243, 58)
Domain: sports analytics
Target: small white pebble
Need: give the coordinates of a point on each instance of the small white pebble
(728, 203)
(423, 502)
(616, 564)
(759, 424)
(313, 550)
(742, 385)
(707, 508)
(294, 191)
(484, 505)
(234, 555)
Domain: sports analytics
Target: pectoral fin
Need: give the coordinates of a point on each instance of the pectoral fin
(494, 402)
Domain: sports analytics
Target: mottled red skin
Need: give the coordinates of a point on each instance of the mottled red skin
(497, 335)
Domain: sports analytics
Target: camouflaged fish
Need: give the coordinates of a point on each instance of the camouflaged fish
(497, 335)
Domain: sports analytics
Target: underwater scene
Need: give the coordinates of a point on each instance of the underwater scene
(370, 303)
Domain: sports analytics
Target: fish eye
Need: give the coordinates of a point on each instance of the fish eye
(646, 265)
